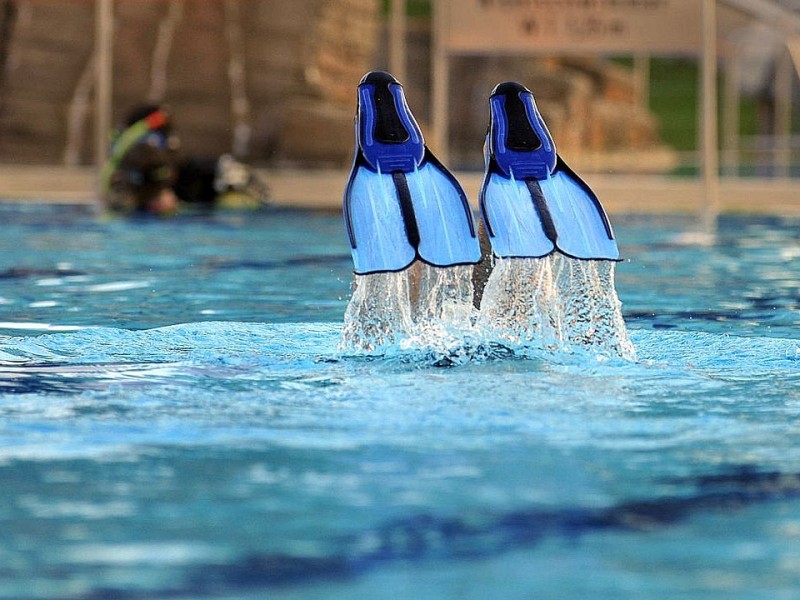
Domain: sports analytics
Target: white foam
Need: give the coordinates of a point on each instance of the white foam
(27, 326)
(118, 286)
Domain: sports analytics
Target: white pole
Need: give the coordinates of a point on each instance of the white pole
(709, 144)
(440, 76)
(397, 40)
(793, 44)
(104, 53)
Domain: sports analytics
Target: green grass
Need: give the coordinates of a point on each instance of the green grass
(673, 99)
(674, 91)
(414, 8)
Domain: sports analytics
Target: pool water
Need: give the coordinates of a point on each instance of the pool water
(177, 421)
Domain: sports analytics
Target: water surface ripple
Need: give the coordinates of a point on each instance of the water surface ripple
(167, 436)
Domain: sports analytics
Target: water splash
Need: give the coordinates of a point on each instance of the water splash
(591, 312)
(555, 303)
(445, 313)
(519, 306)
(423, 307)
(445, 297)
(379, 313)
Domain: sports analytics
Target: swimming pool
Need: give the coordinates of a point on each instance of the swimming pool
(177, 422)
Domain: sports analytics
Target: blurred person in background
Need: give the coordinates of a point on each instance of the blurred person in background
(146, 174)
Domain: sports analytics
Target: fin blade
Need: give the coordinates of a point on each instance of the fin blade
(514, 226)
(582, 225)
(374, 221)
(444, 219)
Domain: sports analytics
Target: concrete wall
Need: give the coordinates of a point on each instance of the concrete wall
(279, 76)
(284, 70)
(50, 45)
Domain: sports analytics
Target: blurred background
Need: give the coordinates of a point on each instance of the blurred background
(273, 83)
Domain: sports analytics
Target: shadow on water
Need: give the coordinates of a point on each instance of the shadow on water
(759, 311)
(217, 264)
(286, 263)
(24, 272)
(54, 379)
(425, 537)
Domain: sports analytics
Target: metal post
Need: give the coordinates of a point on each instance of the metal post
(641, 80)
(397, 40)
(440, 78)
(709, 143)
(783, 116)
(731, 114)
(104, 55)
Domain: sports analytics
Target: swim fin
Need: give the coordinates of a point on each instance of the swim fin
(532, 203)
(400, 203)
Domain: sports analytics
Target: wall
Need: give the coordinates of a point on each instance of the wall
(277, 76)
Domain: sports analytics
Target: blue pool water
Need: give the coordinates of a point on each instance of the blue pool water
(176, 421)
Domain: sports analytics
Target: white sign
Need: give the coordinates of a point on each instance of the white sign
(570, 26)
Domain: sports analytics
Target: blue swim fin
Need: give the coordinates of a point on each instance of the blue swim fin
(400, 203)
(532, 203)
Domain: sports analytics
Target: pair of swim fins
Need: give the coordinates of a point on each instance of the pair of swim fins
(401, 204)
